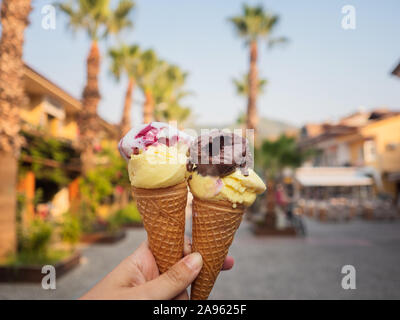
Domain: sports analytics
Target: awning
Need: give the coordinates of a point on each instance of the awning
(332, 177)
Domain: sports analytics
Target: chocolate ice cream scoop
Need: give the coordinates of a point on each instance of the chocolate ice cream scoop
(219, 153)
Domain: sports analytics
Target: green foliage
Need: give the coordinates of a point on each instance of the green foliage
(146, 69)
(71, 228)
(34, 240)
(168, 91)
(242, 85)
(255, 23)
(87, 217)
(42, 149)
(97, 18)
(99, 183)
(274, 156)
(25, 258)
(129, 214)
(119, 19)
(38, 196)
(21, 205)
(125, 59)
(173, 112)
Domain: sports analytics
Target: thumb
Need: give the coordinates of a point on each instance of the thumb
(173, 281)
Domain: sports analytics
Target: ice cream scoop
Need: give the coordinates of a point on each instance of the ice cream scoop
(235, 188)
(156, 154)
(219, 168)
(140, 138)
(220, 153)
(223, 184)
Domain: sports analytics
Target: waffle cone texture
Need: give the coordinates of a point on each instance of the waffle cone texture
(163, 214)
(213, 230)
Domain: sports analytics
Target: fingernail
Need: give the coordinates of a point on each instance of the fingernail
(194, 261)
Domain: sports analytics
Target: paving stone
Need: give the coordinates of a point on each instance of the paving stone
(267, 268)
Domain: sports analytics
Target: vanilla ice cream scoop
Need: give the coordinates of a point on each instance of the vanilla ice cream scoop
(156, 154)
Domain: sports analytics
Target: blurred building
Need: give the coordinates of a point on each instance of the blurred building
(368, 140)
(49, 119)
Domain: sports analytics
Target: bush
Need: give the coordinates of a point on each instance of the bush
(87, 217)
(71, 229)
(34, 241)
(125, 216)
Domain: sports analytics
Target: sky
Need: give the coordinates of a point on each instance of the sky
(322, 73)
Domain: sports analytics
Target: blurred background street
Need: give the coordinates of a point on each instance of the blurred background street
(313, 85)
(267, 268)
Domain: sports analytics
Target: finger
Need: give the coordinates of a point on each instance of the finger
(187, 246)
(139, 267)
(183, 296)
(172, 282)
(228, 263)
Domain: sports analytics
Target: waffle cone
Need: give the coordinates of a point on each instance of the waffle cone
(163, 214)
(214, 226)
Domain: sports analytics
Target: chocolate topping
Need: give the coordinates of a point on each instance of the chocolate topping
(219, 153)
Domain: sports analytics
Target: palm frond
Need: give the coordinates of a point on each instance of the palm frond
(119, 18)
(242, 85)
(277, 41)
(254, 23)
(125, 59)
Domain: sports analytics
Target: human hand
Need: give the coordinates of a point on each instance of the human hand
(137, 277)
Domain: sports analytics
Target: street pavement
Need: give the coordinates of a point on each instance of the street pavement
(265, 267)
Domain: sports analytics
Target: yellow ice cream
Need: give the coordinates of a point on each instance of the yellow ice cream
(158, 167)
(235, 188)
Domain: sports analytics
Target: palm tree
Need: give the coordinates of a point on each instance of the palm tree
(14, 20)
(98, 20)
(253, 25)
(147, 69)
(175, 112)
(242, 89)
(168, 93)
(274, 156)
(126, 60)
(242, 85)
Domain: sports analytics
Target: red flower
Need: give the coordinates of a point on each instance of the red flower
(119, 189)
(97, 148)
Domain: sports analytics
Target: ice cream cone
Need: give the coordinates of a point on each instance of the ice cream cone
(163, 214)
(214, 226)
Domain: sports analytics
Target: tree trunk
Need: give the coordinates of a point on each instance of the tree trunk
(252, 118)
(14, 20)
(124, 198)
(148, 107)
(8, 201)
(126, 115)
(88, 120)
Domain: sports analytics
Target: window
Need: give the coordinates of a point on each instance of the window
(391, 146)
(369, 151)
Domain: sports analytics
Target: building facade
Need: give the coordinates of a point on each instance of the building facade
(368, 140)
(49, 121)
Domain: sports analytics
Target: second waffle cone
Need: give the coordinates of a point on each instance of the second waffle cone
(163, 214)
(214, 227)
